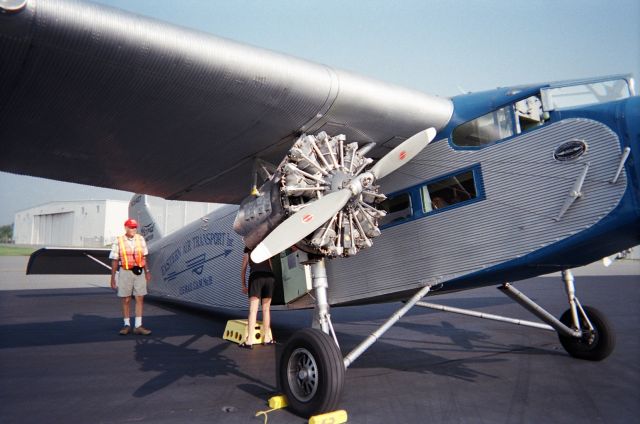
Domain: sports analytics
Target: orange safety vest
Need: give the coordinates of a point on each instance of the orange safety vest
(131, 257)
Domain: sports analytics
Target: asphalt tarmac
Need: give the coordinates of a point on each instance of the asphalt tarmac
(61, 359)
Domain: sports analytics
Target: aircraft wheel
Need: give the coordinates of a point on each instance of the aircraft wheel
(311, 372)
(594, 345)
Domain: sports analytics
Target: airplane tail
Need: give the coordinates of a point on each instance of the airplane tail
(140, 211)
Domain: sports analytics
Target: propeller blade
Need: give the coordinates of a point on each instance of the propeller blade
(300, 224)
(402, 153)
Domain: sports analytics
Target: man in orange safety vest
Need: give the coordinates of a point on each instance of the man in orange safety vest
(128, 258)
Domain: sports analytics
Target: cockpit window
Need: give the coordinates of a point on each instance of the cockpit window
(585, 94)
(486, 129)
(501, 123)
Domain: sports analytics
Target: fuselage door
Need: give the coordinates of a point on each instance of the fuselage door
(296, 277)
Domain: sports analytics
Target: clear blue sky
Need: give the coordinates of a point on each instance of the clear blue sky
(434, 46)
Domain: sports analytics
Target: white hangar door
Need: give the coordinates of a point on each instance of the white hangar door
(54, 229)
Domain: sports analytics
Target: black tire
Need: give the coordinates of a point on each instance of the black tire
(593, 345)
(311, 373)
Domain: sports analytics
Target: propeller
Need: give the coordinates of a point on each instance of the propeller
(314, 215)
(402, 153)
(300, 224)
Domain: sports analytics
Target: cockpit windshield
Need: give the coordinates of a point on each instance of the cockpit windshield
(533, 111)
(585, 94)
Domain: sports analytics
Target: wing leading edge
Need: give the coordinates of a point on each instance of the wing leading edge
(98, 96)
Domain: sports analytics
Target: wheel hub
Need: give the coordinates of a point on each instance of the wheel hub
(588, 336)
(302, 371)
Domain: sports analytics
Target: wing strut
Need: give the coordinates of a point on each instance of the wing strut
(359, 350)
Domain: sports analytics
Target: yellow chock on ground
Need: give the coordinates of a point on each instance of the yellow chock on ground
(335, 417)
(278, 402)
(236, 331)
(275, 403)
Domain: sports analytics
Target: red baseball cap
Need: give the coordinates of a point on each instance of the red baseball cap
(131, 223)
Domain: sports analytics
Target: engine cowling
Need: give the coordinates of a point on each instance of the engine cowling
(259, 214)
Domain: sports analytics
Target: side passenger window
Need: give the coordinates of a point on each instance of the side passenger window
(397, 208)
(449, 191)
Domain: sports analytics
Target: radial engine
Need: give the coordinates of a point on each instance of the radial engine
(314, 167)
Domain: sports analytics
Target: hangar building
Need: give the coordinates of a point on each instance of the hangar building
(96, 223)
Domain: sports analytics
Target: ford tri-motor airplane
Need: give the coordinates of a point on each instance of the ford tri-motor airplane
(386, 193)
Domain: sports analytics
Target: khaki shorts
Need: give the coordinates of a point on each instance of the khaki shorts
(131, 284)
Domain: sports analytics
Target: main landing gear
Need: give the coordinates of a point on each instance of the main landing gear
(311, 370)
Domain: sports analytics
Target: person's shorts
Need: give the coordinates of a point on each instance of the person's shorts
(261, 285)
(131, 284)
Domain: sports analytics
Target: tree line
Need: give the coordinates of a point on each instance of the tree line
(6, 233)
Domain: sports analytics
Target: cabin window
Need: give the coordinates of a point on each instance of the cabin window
(486, 129)
(449, 191)
(398, 208)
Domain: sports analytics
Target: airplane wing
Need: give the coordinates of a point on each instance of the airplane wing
(69, 261)
(98, 96)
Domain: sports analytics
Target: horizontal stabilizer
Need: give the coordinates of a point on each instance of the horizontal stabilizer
(69, 261)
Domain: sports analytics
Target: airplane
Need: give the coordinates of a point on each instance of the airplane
(366, 192)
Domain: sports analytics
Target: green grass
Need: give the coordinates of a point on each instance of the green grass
(9, 250)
